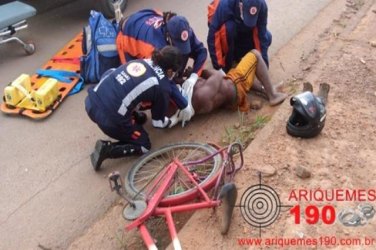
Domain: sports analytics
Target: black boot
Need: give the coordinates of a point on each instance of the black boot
(106, 149)
(101, 152)
(120, 149)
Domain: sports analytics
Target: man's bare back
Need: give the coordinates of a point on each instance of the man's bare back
(212, 91)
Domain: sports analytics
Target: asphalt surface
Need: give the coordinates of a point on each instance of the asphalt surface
(49, 192)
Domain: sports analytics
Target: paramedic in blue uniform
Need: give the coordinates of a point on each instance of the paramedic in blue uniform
(113, 103)
(148, 29)
(235, 28)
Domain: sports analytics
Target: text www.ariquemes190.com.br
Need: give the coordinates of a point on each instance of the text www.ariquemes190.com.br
(299, 242)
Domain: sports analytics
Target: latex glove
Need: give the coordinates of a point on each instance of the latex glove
(174, 119)
(222, 72)
(192, 79)
(188, 86)
(186, 114)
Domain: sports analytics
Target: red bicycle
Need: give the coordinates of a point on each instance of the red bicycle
(178, 178)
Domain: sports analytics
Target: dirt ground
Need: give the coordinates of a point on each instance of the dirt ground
(343, 156)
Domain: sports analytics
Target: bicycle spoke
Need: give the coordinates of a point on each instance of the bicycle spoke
(146, 172)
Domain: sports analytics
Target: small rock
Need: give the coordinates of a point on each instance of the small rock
(300, 235)
(302, 172)
(266, 170)
(324, 172)
(307, 68)
(373, 43)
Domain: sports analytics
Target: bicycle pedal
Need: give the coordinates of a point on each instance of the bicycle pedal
(227, 195)
(132, 212)
(115, 181)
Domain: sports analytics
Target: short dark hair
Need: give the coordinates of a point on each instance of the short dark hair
(168, 57)
(167, 15)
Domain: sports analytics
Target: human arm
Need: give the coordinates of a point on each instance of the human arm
(178, 98)
(261, 35)
(199, 54)
(218, 16)
(159, 109)
(128, 57)
(184, 112)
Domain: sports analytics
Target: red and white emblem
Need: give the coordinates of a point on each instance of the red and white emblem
(253, 11)
(184, 35)
(136, 69)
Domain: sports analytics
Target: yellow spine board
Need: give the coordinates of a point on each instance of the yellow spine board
(62, 60)
(17, 90)
(47, 94)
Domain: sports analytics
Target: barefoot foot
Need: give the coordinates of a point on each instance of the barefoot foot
(323, 92)
(307, 86)
(277, 98)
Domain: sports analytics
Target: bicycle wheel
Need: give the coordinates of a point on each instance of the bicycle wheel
(182, 189)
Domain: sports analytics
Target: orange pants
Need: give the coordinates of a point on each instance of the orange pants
(243, 77)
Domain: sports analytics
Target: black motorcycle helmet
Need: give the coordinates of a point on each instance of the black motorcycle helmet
(308, 115)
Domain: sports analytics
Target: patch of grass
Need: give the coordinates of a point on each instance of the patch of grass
(355, 4)
(121, 240)
(243, 132)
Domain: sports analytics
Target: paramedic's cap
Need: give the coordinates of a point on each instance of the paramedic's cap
(251, 9)
(179, 30)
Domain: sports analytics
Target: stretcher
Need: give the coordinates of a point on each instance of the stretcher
(13, 17)
(67, 60)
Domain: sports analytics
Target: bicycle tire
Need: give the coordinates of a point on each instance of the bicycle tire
(173, 198)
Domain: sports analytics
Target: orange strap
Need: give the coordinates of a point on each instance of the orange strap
(73, 60)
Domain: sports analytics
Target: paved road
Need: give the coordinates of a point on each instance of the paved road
(49, 193)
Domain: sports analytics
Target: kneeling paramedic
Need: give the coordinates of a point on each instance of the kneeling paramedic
(148, 29)
(113, 103)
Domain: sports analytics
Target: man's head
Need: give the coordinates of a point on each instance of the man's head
(249, 11)
(179, 31)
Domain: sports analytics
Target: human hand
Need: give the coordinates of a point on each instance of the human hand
(174, 119)
(186, 114)
(139, 117)
(188, 71)
(189, 85)
(178, 80)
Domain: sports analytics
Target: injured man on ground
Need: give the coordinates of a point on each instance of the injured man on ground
(214, 90)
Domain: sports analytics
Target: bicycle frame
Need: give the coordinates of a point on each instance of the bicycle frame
(166, 178)
(153, 209)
